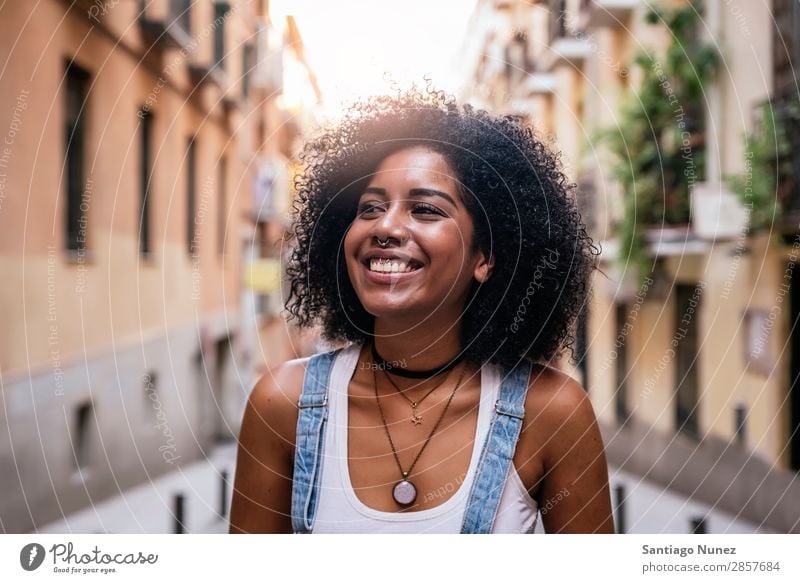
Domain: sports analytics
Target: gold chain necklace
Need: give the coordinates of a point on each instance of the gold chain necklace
(416, 418)
(404, 491)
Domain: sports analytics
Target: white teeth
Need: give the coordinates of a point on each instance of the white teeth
(390, 266)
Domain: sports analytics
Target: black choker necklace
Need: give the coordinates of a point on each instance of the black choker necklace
(413, 374)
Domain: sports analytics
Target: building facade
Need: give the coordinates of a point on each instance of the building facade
(691, 355)
(134, 136)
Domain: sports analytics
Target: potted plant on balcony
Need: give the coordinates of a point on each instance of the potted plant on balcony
(656, 148)
(767, 157)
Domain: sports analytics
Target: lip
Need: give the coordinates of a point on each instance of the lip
(384, 278)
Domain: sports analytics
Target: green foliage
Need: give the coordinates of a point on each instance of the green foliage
(767, 153)
(654, 149)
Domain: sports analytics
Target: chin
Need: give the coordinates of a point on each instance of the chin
(391, 311)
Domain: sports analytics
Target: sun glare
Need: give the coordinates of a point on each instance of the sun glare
(360, 47)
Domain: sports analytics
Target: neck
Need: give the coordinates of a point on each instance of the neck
(416, 348)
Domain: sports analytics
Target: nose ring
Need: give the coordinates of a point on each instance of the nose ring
(382, 244)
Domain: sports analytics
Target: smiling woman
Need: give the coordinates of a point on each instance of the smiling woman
(440, 247)
(425, 275)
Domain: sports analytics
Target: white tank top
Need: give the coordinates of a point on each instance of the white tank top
(340, 511)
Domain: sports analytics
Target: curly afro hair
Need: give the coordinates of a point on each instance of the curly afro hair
(522, 207)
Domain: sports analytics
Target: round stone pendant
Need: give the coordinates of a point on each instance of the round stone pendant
(404, 492)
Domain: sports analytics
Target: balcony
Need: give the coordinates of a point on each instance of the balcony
(606, 13)
(201, 74)
(168, 29)
(716, 213)
(787, 164)
(268, 71)
(567, 43)
(566, 50)
(204, 73)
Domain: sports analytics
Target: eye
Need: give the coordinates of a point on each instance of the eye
(428, 208)
(420, 207)
(367, 207)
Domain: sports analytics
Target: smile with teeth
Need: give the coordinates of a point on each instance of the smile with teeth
(391, 266)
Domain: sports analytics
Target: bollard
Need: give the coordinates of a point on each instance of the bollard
(223, 494)
(699, 525)
(178, 514)
(741, 424)
(619, 494)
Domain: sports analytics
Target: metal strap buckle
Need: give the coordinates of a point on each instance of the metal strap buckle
(312, 404)
(497, 408)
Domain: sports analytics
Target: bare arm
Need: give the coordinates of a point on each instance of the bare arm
(575, 493)
(265, 460)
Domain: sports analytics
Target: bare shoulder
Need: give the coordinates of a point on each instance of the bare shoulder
(561, 423)
(559, 411)
(274, 398)
(264, 463)
(553, 393)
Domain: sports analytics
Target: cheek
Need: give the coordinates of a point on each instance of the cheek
(350, 241)
(451, 244)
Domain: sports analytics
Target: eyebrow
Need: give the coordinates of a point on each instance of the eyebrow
(414, 192)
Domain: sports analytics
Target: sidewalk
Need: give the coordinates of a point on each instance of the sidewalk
(149, 508)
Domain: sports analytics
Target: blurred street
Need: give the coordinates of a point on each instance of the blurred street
(150, 507)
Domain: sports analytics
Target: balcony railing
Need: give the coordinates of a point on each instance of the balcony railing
(786, 57)
(167, 31)
(787, 164)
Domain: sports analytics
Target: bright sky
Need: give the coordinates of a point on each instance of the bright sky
(350, 43)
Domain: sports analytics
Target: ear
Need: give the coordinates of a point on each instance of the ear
(483, 270)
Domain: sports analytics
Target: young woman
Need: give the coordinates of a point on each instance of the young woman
(439, 248)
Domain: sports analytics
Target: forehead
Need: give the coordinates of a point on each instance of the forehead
(417, 166)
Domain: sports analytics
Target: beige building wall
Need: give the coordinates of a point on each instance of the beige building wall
(129, 296)
(157, 346)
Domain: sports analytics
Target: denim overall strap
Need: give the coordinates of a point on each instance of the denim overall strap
(312, 414)
(498, 451)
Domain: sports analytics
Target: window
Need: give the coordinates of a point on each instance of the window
(220, 11)
(191, 196)
(785, 60)
(248, 62)
(558, 19)
(687, 305)
(146, 171)
(180, 12)
(77, 199)
(262, 133)
(621, 395)
(222, 203)
(786, 46)
(792, 395)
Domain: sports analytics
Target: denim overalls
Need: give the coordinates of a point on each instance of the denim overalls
(496, 454)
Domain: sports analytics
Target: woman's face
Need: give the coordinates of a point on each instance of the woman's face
(412, 203)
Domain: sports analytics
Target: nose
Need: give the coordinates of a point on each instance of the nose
(393, 223)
